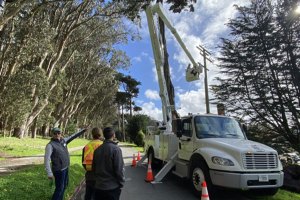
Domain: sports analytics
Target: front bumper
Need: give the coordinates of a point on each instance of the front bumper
(247, 181)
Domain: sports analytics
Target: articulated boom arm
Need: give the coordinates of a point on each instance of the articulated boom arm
(192, 73)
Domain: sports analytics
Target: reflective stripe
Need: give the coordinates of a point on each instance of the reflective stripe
(88, 150)
(89, 153)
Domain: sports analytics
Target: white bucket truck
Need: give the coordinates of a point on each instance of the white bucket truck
(206, 147)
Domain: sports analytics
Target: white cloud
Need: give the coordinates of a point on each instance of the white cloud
(202, 27)
(193, 102)
(152, 111)
(154, 73)
(190, 102)
(145, 54)
(152, 94)
(137, 59)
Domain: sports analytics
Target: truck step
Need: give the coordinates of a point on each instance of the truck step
(181, 169)
(168, 166)
(182, 162)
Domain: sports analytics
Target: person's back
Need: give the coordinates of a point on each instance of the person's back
(87, 160)
(108, 166)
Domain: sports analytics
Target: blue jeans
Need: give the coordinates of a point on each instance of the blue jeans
(61, 182)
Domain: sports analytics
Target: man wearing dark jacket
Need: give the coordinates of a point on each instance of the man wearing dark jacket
(108, 166)
(56, 151)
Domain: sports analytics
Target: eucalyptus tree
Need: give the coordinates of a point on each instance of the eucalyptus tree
(261, 67)
(93, 64)
(44, 38)
(42, 42)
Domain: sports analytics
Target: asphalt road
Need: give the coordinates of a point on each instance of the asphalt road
(172, 187)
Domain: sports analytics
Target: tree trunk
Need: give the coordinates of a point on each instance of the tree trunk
(19, 132)
(45, 131)
(123, 125)
(4, 125)
(130, 106)
(34, 128)
(119, 118)
(64, 125)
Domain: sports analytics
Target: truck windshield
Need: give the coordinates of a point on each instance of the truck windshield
(217, 127)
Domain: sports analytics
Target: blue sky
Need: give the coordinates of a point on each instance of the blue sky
(203, 27)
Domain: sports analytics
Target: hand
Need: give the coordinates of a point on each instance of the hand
(50, 177)
(87, 127)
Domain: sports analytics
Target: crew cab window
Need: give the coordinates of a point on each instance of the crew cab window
(187, 128)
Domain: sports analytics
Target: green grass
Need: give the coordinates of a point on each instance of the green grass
(27, 146)
(281, 195)
(32, 182)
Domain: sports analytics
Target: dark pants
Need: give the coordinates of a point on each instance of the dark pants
(61, 182)
(108, 194)
(89, 190)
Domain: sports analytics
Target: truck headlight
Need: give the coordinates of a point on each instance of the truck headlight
(222, 161)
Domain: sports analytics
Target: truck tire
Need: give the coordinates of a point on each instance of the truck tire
(155, 163)
(199, 173)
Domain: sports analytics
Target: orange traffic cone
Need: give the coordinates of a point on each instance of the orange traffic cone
(149, 177)
(133, 164)
(138, 156)
(204, 195)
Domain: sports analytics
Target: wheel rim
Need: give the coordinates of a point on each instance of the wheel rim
(198, 178)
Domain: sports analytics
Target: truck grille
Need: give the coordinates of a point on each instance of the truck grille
(260, 161)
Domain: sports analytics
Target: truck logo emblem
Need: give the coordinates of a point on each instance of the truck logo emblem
(257, 148)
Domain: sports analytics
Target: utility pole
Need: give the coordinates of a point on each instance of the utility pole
(205, 54)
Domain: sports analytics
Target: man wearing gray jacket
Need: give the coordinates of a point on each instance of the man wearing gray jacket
(108, 167)
(57, 154)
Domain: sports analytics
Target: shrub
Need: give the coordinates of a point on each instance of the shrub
(139, 140)
(135, 124)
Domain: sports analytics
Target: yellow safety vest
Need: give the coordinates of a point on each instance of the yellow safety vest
(88, 153)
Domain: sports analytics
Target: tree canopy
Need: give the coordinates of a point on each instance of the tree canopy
(260, 67)
(59, 61)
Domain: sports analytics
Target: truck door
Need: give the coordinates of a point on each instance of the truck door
(186, 142)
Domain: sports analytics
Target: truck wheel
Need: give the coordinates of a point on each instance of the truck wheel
(155, 163)
(199, 173)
